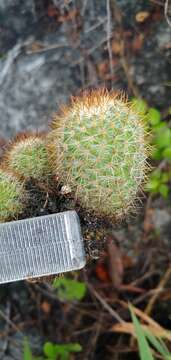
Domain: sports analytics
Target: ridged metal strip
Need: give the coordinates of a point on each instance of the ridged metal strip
(40, 246)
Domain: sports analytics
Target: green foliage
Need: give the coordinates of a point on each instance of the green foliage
(12, 195)
(144, 349)
(62, 351)
(161, 143)
(99, 147)
(159, 345)
(139, 105)
(27, 351)
(145, 339)
(154, 116)
(69, 289)
(158, 183)
(53, 351)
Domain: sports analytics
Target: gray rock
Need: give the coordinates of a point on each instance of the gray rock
(161, 218)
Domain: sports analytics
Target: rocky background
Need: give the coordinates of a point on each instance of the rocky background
(50, 50)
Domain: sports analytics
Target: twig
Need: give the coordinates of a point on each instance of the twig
(166, 6)
(147, 295)
(46, 201)
(158, 291)
(123, 58)
(106, 305)
(95, 26)
(108, 30)
(157, 2)
(94, 338)
(90, 51)
(147, 275)
(84, 331)
(47, 292)
(10, 322)
(11, 57)
(5, 343)
(43, 48)
(84, 7)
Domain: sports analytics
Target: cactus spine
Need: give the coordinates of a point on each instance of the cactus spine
(27, 157)
(98, 147)
(12, 196)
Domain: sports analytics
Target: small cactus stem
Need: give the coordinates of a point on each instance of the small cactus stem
(12, 196)
(98, 145)
(27, 157)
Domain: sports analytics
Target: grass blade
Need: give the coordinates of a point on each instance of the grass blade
(27, 351)
(158, 344)
(144, 349)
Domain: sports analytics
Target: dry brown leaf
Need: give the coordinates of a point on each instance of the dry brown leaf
(131, 288)
(148, 221)
(35, 46)
(142, 16)
(46, 307)
(116, 47)
(128, 328)
(103, 68)
(166, 295)
(138, 42)
(115, 263)
(127, 261)
(70, 16)
(143, 316)
(102, 272)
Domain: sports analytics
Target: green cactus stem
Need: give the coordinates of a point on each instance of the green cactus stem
(27, 157)
(12, 196)
(98, 146)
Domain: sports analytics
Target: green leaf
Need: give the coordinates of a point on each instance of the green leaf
(73, 347)
(157, 183)
(160, 126)
(164, 190)
(153, 185)
(158, 344)
(156, 174)
(154, 116)
(52, 351)
(167, 153)
(154, 181)
(69, 289)
(139, 105)
(163, 138)
(27, 351)
(49, 350)
(144, 349)
(157, 154)
(165, 177)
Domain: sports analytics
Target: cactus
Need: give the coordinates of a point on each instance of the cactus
(12, 196)
(27, 157)
(98, 146)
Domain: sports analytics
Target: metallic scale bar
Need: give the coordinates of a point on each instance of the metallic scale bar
(40, 246)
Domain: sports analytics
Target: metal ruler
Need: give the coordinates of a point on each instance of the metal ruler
(40, 246)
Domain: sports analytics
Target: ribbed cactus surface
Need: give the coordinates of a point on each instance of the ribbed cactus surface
(98, 147)
(27, 157)
(12, 196)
